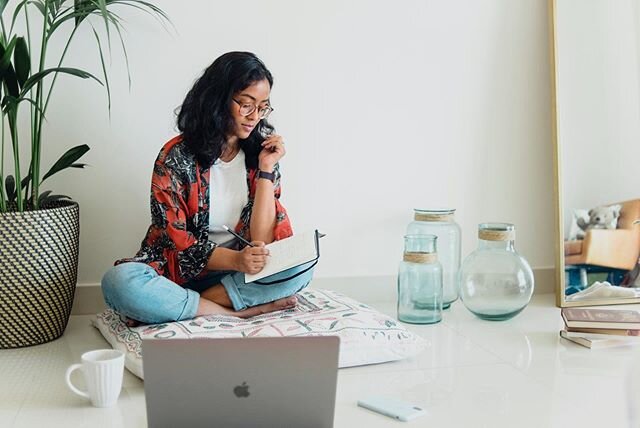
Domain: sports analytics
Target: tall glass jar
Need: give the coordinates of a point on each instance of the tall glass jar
(420, 281)
(442, 224)
(496, 283)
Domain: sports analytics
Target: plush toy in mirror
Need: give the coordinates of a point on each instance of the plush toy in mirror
(602, 217)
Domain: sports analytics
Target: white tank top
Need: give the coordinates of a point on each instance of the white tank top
(228, 193)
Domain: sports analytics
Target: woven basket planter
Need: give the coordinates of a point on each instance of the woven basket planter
(38, 273)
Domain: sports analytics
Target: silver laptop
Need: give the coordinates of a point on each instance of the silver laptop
(241, 382)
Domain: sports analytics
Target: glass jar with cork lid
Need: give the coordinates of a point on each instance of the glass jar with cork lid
(441, 222)
(496, 283)
(420, 281)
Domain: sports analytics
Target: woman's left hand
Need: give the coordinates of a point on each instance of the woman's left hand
(272, 151)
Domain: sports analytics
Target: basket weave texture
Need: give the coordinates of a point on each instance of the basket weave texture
(38, 273)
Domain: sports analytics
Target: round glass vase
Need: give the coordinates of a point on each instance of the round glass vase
(442, 224)
(496, 283)
(420, 281)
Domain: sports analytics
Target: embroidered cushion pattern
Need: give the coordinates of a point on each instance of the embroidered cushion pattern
(366, 335)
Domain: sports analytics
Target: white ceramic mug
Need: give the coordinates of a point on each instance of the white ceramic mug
(102, 370)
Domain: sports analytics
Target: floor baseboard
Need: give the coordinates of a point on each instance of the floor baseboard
(88, 297)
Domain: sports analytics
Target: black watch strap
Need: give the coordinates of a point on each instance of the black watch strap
(268, 175)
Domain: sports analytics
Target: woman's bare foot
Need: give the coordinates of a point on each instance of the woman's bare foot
(278, 305)
(207, 307)
(211, 308)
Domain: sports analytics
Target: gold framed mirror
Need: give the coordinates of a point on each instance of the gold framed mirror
(595, 77)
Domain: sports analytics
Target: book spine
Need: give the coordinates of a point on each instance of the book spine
(607, 331)
(602, 325)
(598, 336)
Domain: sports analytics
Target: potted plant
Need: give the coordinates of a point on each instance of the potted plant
(39, 231)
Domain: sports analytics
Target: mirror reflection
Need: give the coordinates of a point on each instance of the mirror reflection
(598, 134)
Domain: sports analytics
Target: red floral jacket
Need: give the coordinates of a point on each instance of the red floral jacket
(176, 244)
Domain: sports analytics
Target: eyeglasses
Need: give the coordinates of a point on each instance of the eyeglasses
(248, 109)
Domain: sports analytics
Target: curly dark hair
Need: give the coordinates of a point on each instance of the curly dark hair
(205, 115)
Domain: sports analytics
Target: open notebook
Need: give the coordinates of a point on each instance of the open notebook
(287, 253)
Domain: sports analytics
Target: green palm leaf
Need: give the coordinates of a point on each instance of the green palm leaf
(16, 12)
(11, 81)
(10, 103)
(54, 7)
(10, 187)
(7, 73)
(67, 160)
(104, 69)
(5, 54)
(42, 7)
(33, 80)
(22, 61)
(47, 198)
(106, 16)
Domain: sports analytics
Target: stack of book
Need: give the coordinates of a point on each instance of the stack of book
(601, 328)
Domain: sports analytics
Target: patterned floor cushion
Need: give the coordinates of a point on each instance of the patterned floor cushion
(366, 335)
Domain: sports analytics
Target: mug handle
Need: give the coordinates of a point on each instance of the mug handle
(70, 385)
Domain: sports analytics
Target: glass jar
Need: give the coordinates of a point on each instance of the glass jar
(420, 281)
(496, 283)
(442, 224)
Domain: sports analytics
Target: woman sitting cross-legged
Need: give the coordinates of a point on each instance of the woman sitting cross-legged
(221, 170)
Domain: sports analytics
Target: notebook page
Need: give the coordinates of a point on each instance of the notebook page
(287, 253)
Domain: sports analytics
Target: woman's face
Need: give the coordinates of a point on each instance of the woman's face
(255, 95)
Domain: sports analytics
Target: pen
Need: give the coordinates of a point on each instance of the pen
(225, 227)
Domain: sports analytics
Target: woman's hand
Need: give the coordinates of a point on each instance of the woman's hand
(272, 151)
(252, 259)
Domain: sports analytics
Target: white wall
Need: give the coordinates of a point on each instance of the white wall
(384, 106)
(598, 102)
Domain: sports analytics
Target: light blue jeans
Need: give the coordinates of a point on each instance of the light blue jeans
(137, 291)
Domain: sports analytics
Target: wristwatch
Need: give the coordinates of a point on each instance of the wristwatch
(268, 175)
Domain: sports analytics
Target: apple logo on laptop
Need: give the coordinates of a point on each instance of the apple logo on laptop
(241, 390)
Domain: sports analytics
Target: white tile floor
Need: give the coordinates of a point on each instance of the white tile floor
(474, 373)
